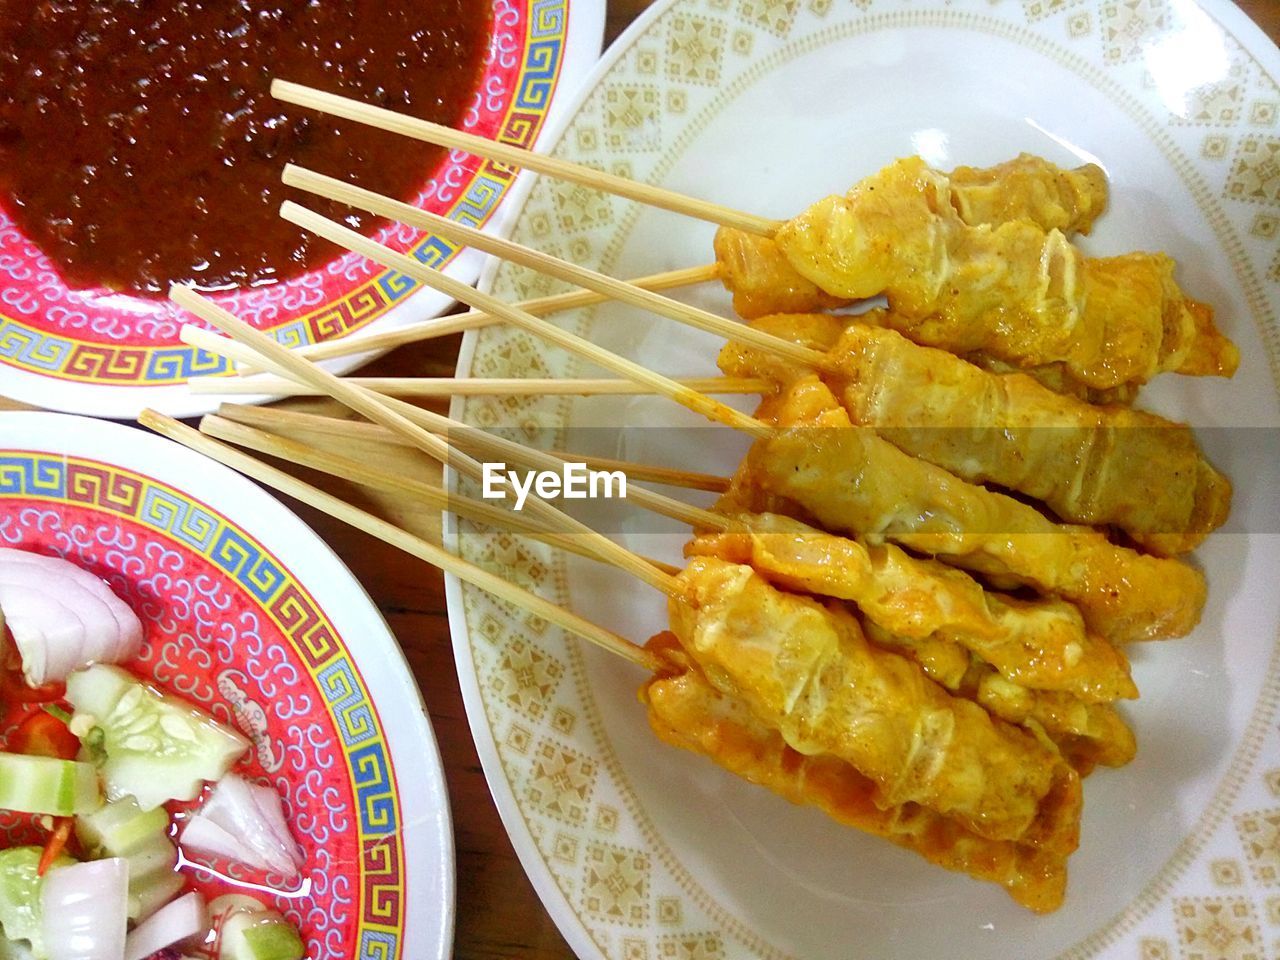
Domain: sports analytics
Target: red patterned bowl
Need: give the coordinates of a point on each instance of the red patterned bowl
(107, 354)
(249, 615)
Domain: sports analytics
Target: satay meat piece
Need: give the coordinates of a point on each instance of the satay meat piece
(851, 481)
(762, 280)
(1086, 733)
(822, 331)
(1030, 188)
(1090, 464)
(687, 712)
(1015, 291)
(1042, 644)
(808, 672)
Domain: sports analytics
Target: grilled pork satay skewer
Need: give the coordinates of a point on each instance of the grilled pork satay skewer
(1040, 644)
(685, 709)
(1088, 732)
(763, 282)
(1091, 465)
(853, 481)
(1123, 594)
(1070, 704)
(833, 246)
(1015, 291)
(807, 670)
(1036, 644)
(1053, 828)
(822, 331)
(688, 712)
(1201, 509)
(665, 386)
(342, 192)
(424, 130)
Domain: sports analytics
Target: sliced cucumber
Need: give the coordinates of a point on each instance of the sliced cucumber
(122, 829)
(156, 856)
(263, 935)
(248, 930)
(48, 785)
(96, 691)
(20, 914)
(119, 827)
(13, 950)
(156, 746)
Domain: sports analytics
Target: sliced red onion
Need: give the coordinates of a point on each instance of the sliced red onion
(201, 835)
(244, 822)
(183, 918)
(48, 633)
(62, 617)
(129, 627)
(85, 907)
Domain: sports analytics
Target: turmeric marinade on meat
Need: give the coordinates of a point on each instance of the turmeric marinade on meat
(999, 280)
(913, 614)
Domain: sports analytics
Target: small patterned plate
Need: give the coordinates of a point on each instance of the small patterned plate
(642, 852)
(105, 354)
(249, 615)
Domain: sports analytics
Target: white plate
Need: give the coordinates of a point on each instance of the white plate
(642, 851)
(213, 565)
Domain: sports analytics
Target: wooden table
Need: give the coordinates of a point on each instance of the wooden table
(499, 917)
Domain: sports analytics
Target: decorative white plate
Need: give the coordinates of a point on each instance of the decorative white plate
(643, 852)
(250, 615)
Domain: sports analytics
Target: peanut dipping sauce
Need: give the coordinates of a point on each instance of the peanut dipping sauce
(139, 145)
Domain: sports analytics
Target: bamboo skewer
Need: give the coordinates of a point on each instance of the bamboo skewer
(429, 494)
(424, 130)
(393, 535)
(697, 402)
(269, 418)
(277, 417)
(387, 412)
(476, 319)
(340, 191)
(472, 386)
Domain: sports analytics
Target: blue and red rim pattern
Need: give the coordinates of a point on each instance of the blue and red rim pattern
(43, 498)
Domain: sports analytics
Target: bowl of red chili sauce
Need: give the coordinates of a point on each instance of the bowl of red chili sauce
(140, 147)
